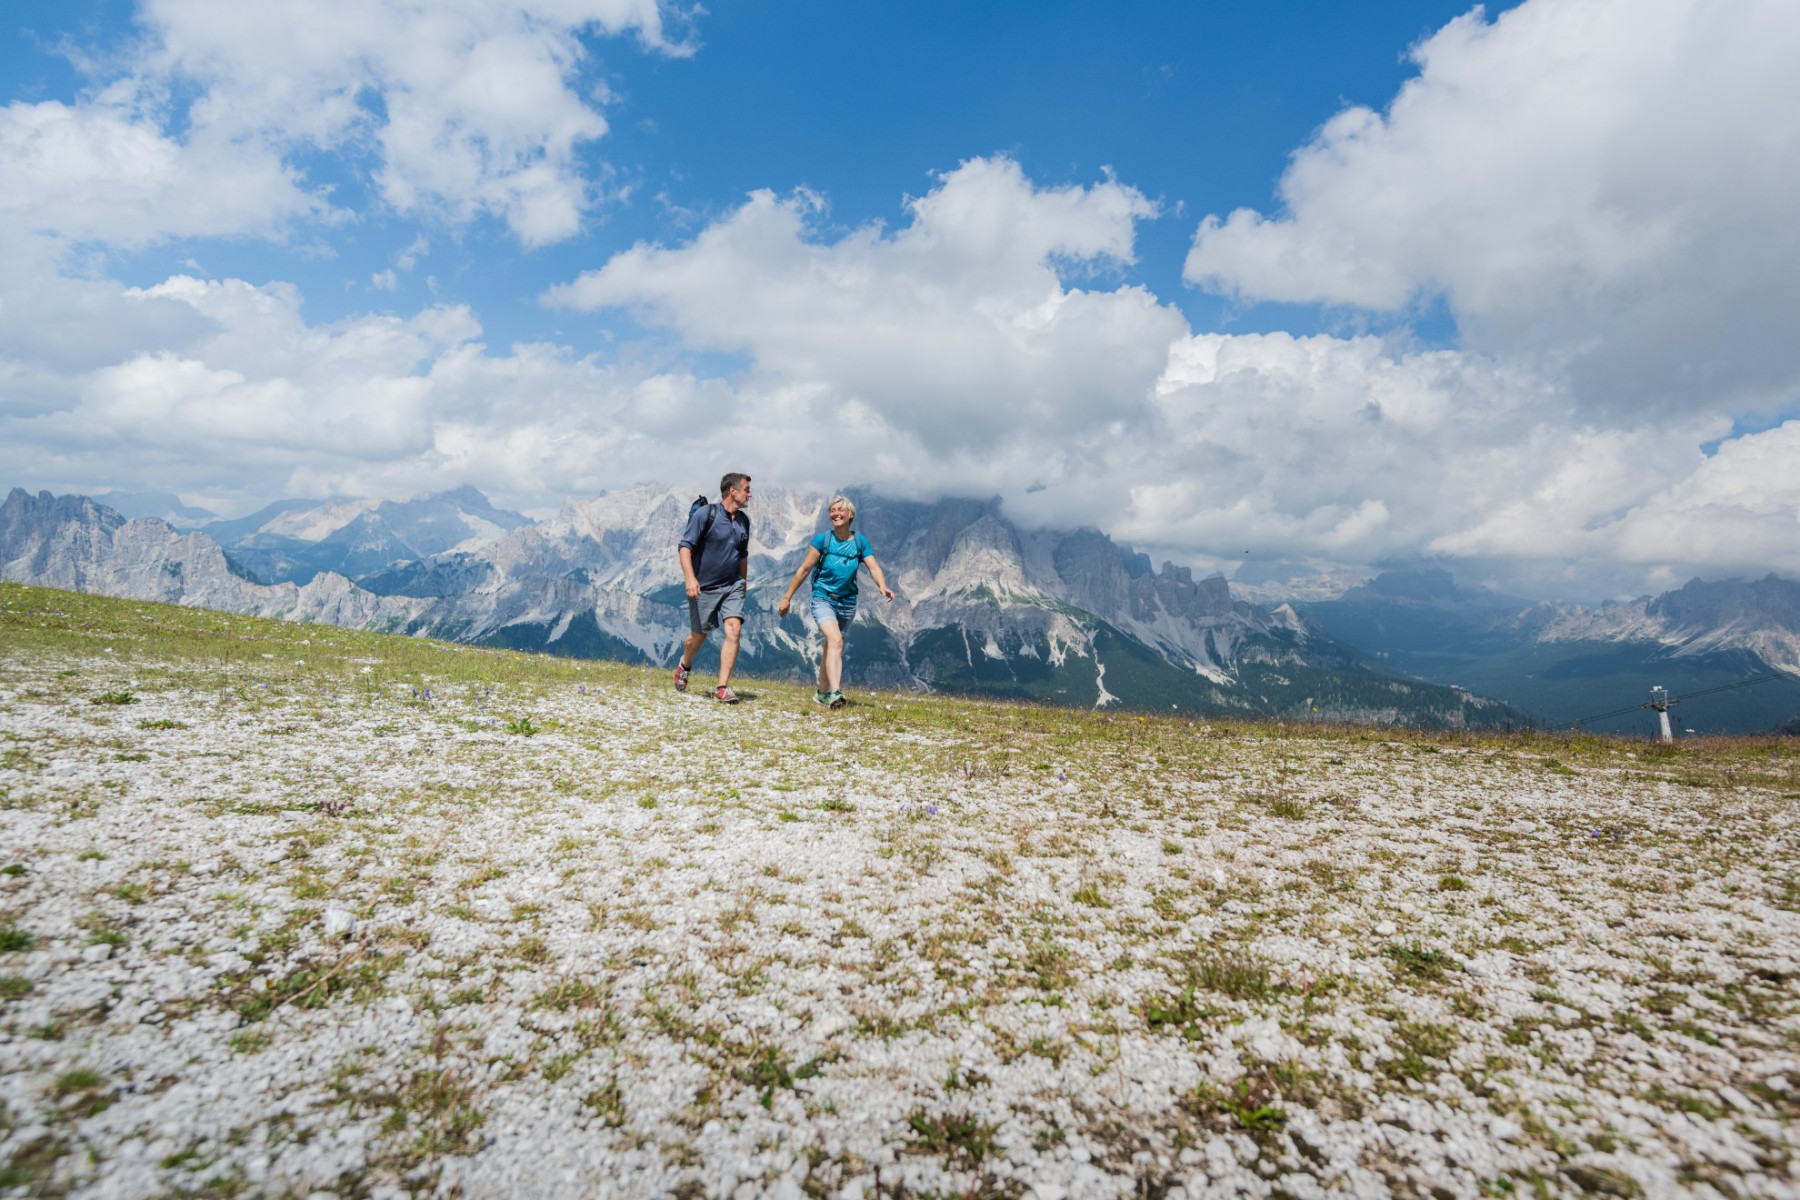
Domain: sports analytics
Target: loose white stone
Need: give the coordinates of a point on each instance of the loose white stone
(339, 923)
(1736, 1099)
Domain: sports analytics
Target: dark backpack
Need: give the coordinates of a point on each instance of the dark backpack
(712, 514)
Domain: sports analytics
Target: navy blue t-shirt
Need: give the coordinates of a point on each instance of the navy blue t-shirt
(721, 560)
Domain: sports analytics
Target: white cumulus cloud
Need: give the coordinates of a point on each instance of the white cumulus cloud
(104, 171)
(956, 332)
(1606, 186)
(459, 111)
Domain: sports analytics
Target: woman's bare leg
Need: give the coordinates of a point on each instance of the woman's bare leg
(831, 665)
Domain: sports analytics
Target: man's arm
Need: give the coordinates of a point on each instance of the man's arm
(687, 570)
(688, 550)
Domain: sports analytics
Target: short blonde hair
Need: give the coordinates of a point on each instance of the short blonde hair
(846, 501)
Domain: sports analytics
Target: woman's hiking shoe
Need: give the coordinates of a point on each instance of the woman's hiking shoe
(681, 677)
(836, 699)
(821, 697)
(725, 695)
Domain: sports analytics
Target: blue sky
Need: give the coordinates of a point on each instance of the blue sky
(1503, 288)
(1196, 105)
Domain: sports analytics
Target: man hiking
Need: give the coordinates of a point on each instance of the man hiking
(715, 565)
(833, 558)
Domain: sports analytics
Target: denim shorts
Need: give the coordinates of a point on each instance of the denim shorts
(720, 604)
(841, 609)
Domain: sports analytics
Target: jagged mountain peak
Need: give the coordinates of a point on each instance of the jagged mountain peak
(1767, 603)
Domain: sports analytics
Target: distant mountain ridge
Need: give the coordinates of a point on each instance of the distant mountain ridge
(293, 541)
(1564, 662)
(1064, 616)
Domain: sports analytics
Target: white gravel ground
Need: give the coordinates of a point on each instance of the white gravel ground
(668, 947)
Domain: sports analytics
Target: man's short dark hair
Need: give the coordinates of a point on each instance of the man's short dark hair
(731, 480)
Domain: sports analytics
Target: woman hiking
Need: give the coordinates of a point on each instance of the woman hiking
(833, 558)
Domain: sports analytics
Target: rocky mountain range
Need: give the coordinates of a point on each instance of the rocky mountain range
(1062, 616)
(1066, 616)
(1563, 662)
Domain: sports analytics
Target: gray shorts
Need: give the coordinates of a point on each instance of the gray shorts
(720, 604)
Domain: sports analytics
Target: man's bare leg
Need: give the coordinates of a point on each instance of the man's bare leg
(729, 648)
(690, 647)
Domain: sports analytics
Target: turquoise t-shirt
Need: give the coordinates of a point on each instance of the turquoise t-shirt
(835, 576)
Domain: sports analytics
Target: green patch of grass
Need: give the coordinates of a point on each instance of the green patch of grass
(13, 986)
(1251, 1104)
(82, 1089)
(161, 723)
(608, 1103)
(13, 939)
(838, 804)
(358, 976)
(429, 1113)
(767, 1069)
(523, 726)
(1089, 894)
(115, 698)
(1179, 1013)
(1238, 976)
(1419, 1045)
(961, 1139)
(570, 993)
(29, 1166)
(560, 1066)
(13, 869)
(1422, 961)
(1049, 966)
(1453, 883)
(531, 950)
(1292, 808)
(880, 1025)
(250, 1041)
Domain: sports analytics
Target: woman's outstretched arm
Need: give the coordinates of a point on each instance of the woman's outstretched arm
(812, 557)
(875, 574)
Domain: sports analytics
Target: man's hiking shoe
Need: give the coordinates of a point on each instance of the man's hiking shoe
(725, 696)
(681, 677)
(836, 700)
(821, 697)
